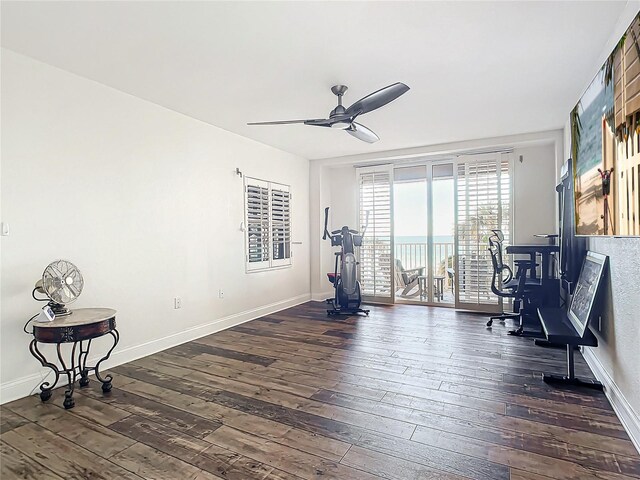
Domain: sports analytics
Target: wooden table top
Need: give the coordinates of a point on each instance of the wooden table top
(82, 324)
(81, 316)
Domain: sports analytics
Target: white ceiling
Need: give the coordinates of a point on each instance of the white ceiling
(475, 69)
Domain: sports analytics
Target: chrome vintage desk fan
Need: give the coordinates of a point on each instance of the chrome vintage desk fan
(62, 284)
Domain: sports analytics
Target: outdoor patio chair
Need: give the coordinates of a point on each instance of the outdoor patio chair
(408, 280)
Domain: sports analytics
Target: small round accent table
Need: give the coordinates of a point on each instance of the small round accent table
(83, 325)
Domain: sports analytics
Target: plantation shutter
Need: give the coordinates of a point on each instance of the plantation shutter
(375, 255)
(483, 203)
(257, 212)
(280, 225)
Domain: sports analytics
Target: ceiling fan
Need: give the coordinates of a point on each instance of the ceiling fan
(344, 118)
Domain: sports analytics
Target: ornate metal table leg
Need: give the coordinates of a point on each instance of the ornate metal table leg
(82, 365)
(69, 402)
(106, 381)
(46, 387)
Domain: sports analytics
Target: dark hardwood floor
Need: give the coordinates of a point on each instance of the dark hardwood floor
(410, 392)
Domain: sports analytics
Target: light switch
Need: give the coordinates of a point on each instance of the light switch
(4, 229)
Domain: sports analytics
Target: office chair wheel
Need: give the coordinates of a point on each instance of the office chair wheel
(490, 322)
(517, 332)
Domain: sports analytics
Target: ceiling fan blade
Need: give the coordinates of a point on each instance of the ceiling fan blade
(362, 133)
(377, 99)
(287, 122)
(320, 122)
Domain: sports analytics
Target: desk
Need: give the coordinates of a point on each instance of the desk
(545, 252)
(549, 284)
(551, 237)
(83, 325)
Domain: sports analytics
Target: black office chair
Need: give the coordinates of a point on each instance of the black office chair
(511, 288)
(522, 266)
(521, 289)
(503, 284)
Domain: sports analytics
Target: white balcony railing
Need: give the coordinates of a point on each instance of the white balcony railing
(414, 255)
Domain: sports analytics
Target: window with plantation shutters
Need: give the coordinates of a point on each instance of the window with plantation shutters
(268, 224)
(375, 254)
(483, 204)
(280, 225)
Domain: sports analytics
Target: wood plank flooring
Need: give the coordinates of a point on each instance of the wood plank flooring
(408, 393)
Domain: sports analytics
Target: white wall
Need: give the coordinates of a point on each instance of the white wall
(144, 200)
(334, 182)
(616, 360)
(534, 193)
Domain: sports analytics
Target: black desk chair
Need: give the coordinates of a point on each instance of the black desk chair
(522, 266)
(506, 287)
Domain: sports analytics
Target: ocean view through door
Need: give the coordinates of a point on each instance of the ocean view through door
(424, 220)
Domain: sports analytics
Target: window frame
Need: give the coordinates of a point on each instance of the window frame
(285, 221)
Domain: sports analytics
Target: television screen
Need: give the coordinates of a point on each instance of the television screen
(572, 248)
(605, 134)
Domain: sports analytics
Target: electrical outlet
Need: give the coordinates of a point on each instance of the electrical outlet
(220, 294)
(177, 303)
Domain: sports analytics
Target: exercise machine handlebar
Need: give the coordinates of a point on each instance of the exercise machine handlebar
(326, 222)
(336, 232)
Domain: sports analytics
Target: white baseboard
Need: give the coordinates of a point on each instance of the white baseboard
(22, 387)
(322, 296)
(628, 417)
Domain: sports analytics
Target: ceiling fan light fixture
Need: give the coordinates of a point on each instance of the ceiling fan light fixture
(342, 125)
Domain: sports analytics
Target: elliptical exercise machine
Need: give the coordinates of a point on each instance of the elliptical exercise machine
(347, 296)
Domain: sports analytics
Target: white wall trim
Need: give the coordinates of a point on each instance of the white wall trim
(22, 387)
(447, 150)
(629, 418)
(322, 296)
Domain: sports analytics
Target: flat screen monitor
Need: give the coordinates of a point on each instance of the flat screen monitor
(586, 290)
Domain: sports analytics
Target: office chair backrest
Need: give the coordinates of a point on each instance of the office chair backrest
(495, 247)
(497, 238)
(498, 235)
(494, 250)
(501, 270)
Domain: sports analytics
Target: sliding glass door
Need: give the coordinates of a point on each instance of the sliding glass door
(442, 228)
(428, 231)
(410, 232)
(424, 206)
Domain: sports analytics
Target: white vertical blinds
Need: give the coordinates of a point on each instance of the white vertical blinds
(376, 251)
(483, 204)
(268, 224)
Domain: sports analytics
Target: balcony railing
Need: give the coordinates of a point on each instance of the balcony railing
(414, 255)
